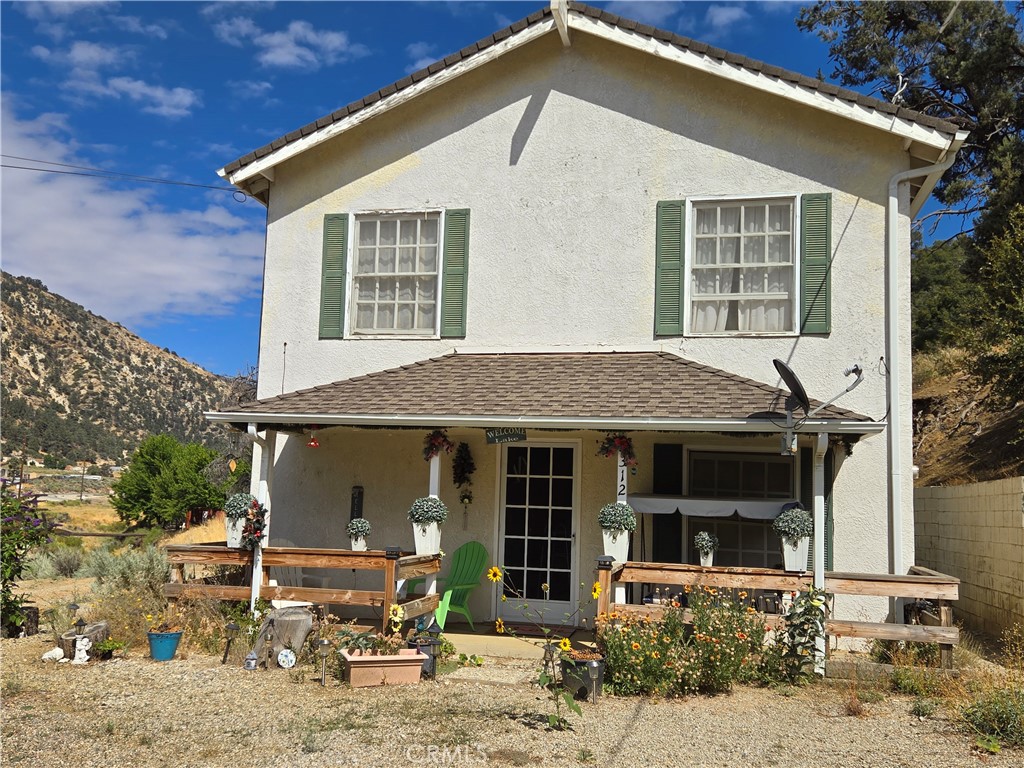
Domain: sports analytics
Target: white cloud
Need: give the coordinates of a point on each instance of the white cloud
(422, 54)
(214, 10)
(122, 250)
(135, 24)
(84, 55)
(252, 89)
(54, 18)
(156, 100)
(723, 19)
(298, 46)
(653, 12)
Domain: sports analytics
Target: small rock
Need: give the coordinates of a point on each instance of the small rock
(57, 654)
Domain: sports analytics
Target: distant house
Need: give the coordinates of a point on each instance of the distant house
(582, 226)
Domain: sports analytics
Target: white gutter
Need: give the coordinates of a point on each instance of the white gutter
(893, 351)
(847, 427)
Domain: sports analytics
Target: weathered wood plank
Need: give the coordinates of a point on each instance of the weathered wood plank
(424, 568)
(920, 570)
(213, 591)
(318, 595)
(210, 556)
(917, 633)
(889, 585)
(363, 561)
(421, 605)
(735, 578)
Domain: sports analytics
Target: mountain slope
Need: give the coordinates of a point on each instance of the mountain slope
(78, 386)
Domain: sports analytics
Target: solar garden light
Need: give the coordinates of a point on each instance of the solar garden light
(592, 670)
(323, 648)
(434, 647)
(270, 642)
(80, 626)
(231, 630)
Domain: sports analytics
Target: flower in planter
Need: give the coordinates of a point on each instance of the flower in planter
(255, 522)
(358, 528)
(794, 522)
(428, 509)
(705, 542)
(617, 517)
(435, 442)
(619, 443)
(237, 506)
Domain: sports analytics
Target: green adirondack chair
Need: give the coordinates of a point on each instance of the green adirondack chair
(467, 569)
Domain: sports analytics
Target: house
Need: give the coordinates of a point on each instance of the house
(578, 227)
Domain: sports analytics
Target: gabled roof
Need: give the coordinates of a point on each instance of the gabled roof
(928, 138)
(585, 390)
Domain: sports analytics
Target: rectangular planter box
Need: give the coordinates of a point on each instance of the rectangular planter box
(369, 668)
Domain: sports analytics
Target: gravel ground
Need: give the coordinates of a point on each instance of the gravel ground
(194, 712)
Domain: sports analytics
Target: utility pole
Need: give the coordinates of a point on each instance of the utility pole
(81, 488)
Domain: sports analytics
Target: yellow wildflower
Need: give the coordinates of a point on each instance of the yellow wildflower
(596, 590)
(499, 627)
(565, 645)
(494, 574)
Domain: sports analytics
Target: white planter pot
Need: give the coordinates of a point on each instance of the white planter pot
(233, 529)
(616, 544)
(707, 559)
(357, 543)
(794, 554)
(427, 538)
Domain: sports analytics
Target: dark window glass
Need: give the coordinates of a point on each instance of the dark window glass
(515, 552)
(561, 462)
(537, 524)
(517, 461)
(534, 581)
(515, 521)
(561, 492)
(513, 582)
(515, 491)
(537, 553)
(540, 491)
(561, 554)
(560, 589)
(540, 461)
(561, 523)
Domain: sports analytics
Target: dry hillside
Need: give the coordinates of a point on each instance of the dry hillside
(959, 437)
(78, 386)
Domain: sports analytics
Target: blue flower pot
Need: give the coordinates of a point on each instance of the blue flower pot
(163, 645)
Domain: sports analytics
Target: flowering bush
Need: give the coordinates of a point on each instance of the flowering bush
(237, 506)
(617, 517)
(428, 509)
(614, 444)
(21, 530)
(435, 442)
(705, 542)
(358, 528)
(666, 656)
(793, 523)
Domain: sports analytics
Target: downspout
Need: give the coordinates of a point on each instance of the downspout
(893, 350)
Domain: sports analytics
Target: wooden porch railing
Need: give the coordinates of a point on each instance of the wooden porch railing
(921, 583)
(393, 564)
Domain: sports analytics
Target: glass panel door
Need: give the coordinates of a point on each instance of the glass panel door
(538, 524)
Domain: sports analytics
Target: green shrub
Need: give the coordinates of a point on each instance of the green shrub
(916, 681)
(66, 561)
(40, 566)
(923, 707)
(998, 714)
(903, 653)
(143, 569)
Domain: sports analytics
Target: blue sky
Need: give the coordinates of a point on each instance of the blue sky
(177, 90)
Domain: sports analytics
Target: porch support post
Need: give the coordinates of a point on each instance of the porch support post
(820, 447)
(267, 446)
(435, 477)
(621, 494)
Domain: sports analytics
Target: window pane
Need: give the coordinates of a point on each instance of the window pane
(386, 289)
(706, 218)
(365, 261)
(428, 259)
(428, 231)
(406, 259)
(515, 551)
(537, 522)
(537, 553)
(561, 554)
(386, 260)
(534, 583)
(515, 490)
(728, 476)
(753, 478)
(753, 281)
(729, 248)
(407, 232)
(753, 250)
(540, 461)
(729, 221)
(425, 316)
(386, 316)
(515, 524)
(406, 316)
(706, 250)
(366, 289)
(778, 249)
(560, 589)
(364, 316)
(728, 535)
(778, 477)
(561, 492)
(406, 289)
(561, 523)
(779, 217)
(540, 491)
(367, 232)
(517, 464)
(753, 218)
(561, 462)
(389, 232)
(514, 585)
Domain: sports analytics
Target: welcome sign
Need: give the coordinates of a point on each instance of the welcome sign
(498, 435)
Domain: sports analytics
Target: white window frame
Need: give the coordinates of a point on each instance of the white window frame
(350, 275)
(688, 255)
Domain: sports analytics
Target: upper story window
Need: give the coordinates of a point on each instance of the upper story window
(742, 267)
(740, 476)
(395, 274)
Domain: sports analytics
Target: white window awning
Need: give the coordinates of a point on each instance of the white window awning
(652, 504)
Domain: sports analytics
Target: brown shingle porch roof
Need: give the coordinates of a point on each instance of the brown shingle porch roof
(613, 386)
(678, 41)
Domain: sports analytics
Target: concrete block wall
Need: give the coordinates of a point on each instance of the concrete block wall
(976, 533)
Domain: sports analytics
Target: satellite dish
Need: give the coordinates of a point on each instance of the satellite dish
(793, 383)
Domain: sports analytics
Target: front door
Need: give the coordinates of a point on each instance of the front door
(537, 529)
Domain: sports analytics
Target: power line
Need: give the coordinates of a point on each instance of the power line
(100, 173)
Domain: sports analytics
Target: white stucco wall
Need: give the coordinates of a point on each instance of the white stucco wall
(562, 155)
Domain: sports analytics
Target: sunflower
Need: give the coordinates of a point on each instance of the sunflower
(397, 612)
(499, 627)
(565, 645)
(595, 591)
(635, 646)
(494, 574)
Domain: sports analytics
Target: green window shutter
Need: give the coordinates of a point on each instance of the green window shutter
(455, 277)
(332, 279)
(669, 271)
(815, 253)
